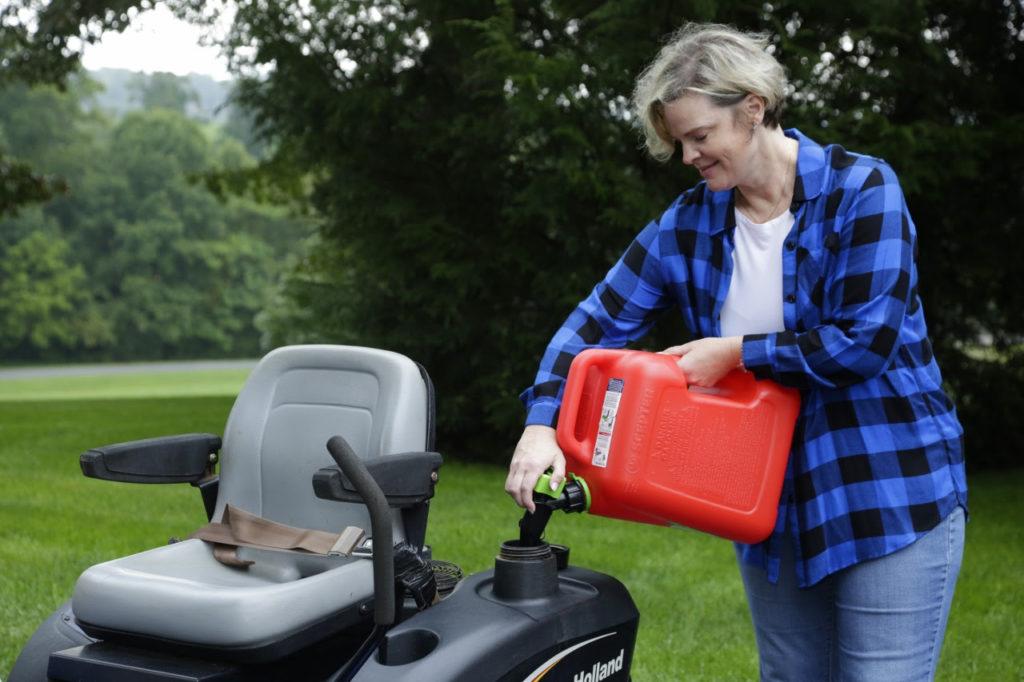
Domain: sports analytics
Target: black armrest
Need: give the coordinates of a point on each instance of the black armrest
(406, 479)
(168, 459)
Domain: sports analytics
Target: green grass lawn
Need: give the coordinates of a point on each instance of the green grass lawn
(694, 624)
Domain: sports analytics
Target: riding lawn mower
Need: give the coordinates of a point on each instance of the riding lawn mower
(315, 564)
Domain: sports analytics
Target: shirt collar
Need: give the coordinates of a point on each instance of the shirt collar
(810, 180)
(810, 167)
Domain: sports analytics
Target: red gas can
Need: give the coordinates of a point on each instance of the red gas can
(654, 450)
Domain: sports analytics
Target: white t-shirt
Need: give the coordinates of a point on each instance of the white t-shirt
(754, 302)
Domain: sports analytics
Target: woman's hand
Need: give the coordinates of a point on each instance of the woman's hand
(536, 452)
(706, 361)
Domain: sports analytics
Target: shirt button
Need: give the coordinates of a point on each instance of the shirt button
(790, 298)
(790, 246)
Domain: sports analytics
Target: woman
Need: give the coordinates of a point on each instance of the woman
(796, 262)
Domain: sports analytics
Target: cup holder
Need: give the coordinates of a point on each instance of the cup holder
(399, 648)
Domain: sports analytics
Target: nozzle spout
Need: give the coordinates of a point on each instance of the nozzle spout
(572, 496)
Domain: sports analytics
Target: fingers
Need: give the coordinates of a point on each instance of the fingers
(558, 472)
(517, 485)
(706, 361)
(536, 452)
(679, 351)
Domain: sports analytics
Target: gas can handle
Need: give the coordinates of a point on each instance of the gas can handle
(738, 387)
(570, 435)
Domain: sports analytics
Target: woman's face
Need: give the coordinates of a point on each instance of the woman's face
(714, 140)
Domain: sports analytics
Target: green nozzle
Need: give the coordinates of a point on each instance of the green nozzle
(544, 486)
(585, 488)
(580, 492)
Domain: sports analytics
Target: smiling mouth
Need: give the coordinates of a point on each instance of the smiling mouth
(704, 169)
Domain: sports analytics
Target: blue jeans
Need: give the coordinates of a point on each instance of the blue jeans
(880, 621)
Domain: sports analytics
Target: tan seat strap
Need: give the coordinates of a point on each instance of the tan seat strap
(239, 528)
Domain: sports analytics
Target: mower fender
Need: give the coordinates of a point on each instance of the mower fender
(588, 628)
(57, 632)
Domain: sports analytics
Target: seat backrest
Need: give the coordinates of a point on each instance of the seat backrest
(296, 398)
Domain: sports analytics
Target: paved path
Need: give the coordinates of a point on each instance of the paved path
(123, 368)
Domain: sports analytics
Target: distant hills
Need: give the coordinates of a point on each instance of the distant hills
(118, 98)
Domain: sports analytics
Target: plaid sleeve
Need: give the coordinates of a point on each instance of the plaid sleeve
(619, 310)
(849, 287)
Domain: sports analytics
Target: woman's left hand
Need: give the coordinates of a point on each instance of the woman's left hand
(706, 361)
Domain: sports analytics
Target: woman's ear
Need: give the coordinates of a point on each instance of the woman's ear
(753, 108)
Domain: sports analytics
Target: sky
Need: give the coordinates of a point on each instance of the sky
(156, 41)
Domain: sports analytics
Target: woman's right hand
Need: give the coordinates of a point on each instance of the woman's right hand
(536, 452)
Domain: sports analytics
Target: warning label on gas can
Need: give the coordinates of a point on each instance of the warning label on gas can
(606, 424)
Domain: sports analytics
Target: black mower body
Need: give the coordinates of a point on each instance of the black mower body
(584, 632)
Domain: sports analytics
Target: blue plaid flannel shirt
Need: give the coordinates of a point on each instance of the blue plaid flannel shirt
(877, 454)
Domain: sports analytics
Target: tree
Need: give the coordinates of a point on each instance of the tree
(478, 169)
(137, 260)
(37, 45)
(180, 274)
(163, 91)
(475, 169)
(459, 224)
(932, 87)
(20, 184)
(43, 285)
(39, 290)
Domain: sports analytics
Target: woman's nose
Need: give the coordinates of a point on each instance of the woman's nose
(689, 154)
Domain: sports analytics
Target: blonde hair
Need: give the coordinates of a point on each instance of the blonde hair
(712, 59)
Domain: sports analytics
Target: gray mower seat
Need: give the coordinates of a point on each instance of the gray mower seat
(275, 440)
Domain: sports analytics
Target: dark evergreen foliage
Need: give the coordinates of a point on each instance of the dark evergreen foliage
(475, 172)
